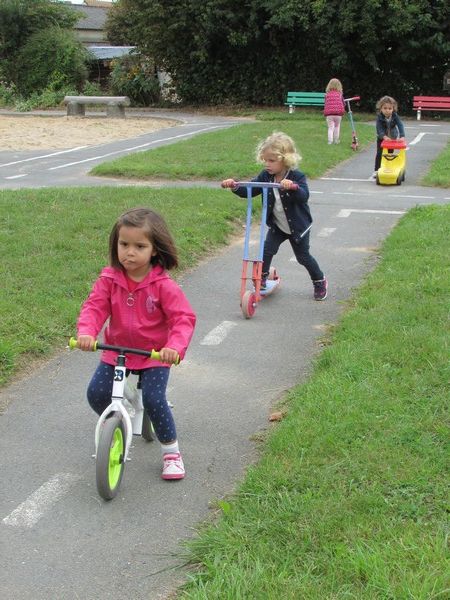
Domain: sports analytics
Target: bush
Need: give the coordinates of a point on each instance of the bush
(92, 88)
(8, 94)
(51, 59)
(135, 77)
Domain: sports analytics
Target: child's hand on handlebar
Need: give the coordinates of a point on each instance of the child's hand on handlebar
(228, 183)
(287, 184)
(86, 343)
(168, 356)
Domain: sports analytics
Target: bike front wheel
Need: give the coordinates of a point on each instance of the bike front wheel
(110, 458)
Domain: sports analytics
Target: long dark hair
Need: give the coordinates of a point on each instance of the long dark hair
(156, 231)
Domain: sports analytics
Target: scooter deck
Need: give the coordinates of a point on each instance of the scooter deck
(271, 286)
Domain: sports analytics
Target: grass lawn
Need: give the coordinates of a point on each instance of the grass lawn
(230, 152)
(350, 497)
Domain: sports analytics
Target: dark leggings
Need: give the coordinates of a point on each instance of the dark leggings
(379, 154)
(154, 383)
(275, 237)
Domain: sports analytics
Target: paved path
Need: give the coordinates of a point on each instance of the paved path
(70, 167)
(59, 541)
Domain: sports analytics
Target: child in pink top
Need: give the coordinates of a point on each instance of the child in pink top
(334, 109)
(146, 309)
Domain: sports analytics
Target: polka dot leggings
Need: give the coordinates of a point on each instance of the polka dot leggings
(154, 383)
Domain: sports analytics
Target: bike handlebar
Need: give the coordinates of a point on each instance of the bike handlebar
(260, 184)
(154, 354)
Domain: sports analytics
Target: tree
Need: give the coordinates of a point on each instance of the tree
(254, 51)
(119, 24)
(19, 19)
(51, 59)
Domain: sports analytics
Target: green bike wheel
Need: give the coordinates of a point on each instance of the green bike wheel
(110, 458)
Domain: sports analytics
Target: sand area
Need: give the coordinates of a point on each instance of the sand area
(57, 132)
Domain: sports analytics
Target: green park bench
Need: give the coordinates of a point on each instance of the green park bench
(304, 99)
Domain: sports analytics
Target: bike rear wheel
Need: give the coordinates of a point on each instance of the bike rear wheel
(110, 458)
(148, 433)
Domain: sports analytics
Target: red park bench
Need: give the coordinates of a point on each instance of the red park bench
(436, 103)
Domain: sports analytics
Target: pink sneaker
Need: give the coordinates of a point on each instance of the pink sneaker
(173, 466)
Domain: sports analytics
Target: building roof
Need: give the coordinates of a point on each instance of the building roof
(94, 17)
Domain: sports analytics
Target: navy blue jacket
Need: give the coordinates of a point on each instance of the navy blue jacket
(295, 202)
(392, 129)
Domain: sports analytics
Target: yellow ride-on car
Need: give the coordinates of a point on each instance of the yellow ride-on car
(393, 163)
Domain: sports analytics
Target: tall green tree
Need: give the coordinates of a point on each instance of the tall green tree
(19, 19)
(51, 59)
(254, 51)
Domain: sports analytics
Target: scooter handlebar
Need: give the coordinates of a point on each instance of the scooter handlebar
(354, 98)
(153, 354)
(259, 184)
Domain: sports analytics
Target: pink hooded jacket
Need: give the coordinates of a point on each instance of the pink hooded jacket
(156, 315)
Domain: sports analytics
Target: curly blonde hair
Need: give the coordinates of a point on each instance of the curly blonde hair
(283, 146)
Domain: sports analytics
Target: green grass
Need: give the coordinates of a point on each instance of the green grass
(231, 152)
(439, 174)
(350, 497)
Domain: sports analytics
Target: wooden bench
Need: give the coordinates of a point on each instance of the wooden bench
(304, 99)
(115, 105)
(437, 103)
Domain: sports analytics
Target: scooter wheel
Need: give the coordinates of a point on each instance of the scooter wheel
(248, 304)
(272, 273)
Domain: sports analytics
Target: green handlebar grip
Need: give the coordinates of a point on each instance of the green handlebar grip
(155, 356)
(73, 344)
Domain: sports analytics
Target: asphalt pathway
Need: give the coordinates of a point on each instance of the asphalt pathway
(59, 540)
(70, 167)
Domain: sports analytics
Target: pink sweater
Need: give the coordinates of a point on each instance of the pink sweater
(334, 104)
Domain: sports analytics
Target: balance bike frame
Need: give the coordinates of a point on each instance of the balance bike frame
(122, 389)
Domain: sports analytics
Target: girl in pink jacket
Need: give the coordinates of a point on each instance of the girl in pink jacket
(146, 310)
(334, 109)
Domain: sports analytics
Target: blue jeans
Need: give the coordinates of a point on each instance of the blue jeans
(154, 383)
(275, 237)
